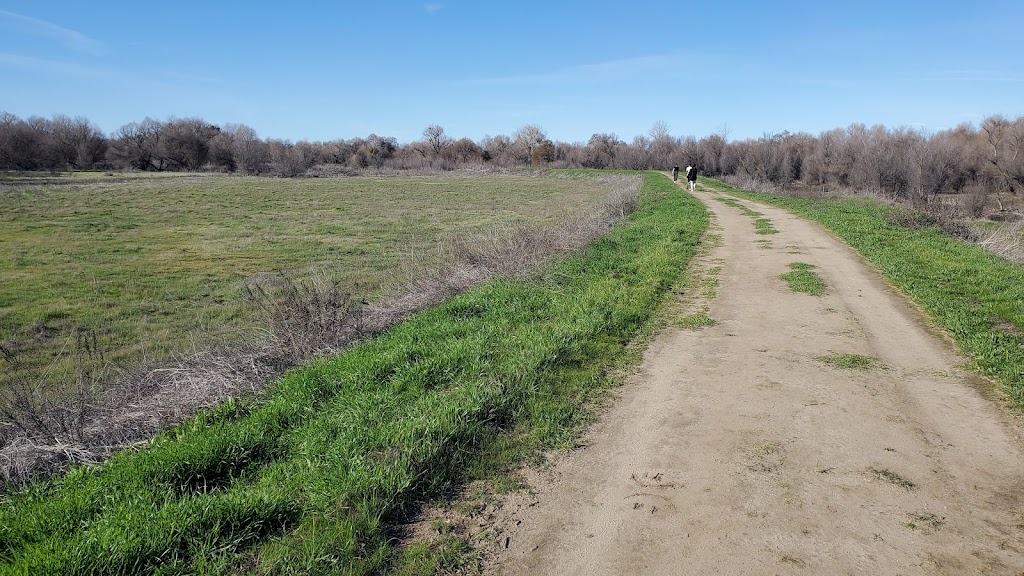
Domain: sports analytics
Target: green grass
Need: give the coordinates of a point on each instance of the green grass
(695, 321)
(850, 361)
(975, 296)
(804, 279)
(696, 287)
(764, 226)
(152, 260)
(307, 478)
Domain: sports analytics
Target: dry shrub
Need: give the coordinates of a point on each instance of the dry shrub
(949, 218)
(53, 418)
(306, 317)
(975, 200)
(744, 182)
(100, 410)
(30, 410)
(1006, 241)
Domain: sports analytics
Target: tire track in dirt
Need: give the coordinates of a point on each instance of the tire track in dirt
(735, 449)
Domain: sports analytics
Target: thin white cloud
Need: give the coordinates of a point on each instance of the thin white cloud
(609, 71)
(70, 38)
(197, 80)
(433, 8)
(997, 76)
(55, 67)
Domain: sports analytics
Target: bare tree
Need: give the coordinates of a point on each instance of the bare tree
(380, 148)
(435, 136)
(527, 139)
(136, 144)
(662, 145)
(221, 154)
(185, 143)
(465, 150)
(824, 161)
(288, 159)
(633, 156)
(1004, 151)
(600, 151)
(659, 130)
(77, 143)
(497, 149)
(21, 146)
(936, 162)
(251, 154)
(710, 150)
(764, 158)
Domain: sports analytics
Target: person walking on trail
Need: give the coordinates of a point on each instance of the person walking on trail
(691, 177)
(675, 173)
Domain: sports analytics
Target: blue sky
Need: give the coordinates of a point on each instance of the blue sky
(322, 70)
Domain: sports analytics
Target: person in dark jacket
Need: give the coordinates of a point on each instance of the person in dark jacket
(675, 173)
(691, 177)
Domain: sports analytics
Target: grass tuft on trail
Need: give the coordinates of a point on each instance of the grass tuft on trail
(761, 225)
(850, 361)
(764, 226)
(308, 478)
(975, 296)
(695, 321)
(804, 279)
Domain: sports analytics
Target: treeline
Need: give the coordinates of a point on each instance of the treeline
(902, 163)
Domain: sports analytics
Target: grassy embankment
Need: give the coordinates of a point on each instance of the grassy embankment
(976, 297)
(153, 261)
(306, 479)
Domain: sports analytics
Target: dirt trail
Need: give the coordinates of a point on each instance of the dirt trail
(736, 450)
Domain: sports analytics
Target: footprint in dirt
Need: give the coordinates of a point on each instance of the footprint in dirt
(647, 500)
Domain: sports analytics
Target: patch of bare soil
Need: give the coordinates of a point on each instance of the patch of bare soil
(738, 448)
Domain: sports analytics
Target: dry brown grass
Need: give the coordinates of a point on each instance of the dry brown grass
(1006, 241)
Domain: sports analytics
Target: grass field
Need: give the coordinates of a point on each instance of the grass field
(310, 477)
(975, 296)
(154, 261)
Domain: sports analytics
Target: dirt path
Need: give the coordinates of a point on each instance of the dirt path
(737, 450)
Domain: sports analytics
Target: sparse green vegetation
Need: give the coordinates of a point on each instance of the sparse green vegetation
(697, 286)
(850, 361)
(761, 225)
(976, 297)
(306, 478)
(764, 226)
(695, 321)
(447, 553)
(709, 283)
(886, 475)
(925, 520)
(804, 279)
(736, 204)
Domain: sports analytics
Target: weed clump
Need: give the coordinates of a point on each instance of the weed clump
(946, 217)
(850, 361)
(804, 279)
(886, 475)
